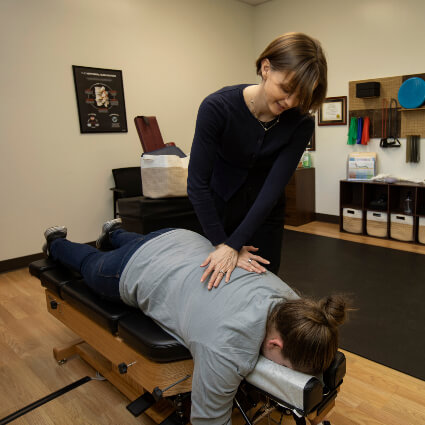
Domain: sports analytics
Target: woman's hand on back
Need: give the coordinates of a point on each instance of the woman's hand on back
(251, 262)
(220, 262)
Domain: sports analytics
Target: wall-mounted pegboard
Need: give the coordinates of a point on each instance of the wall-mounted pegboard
(408, 121)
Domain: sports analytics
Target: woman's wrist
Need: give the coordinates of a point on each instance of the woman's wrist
(221, 245)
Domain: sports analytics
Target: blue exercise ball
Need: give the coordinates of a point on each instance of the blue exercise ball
(411, 93)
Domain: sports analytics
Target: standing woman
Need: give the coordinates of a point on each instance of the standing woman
(247, 144)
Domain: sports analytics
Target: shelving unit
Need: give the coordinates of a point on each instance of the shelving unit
(363, 196)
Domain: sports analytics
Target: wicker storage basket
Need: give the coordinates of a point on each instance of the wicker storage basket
(376, 224)
(421, 230)
(352, 220)
(164, 176)
(402, 227)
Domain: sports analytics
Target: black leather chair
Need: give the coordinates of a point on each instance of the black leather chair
(128, 183)
(140, 214)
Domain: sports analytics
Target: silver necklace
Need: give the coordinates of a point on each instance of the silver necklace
(266, 126)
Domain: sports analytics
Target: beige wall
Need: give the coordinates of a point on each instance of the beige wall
(172, 54)
(363, 39)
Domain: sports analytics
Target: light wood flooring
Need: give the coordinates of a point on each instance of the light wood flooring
(372, 394)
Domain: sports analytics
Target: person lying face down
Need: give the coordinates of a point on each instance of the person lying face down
(226, 328)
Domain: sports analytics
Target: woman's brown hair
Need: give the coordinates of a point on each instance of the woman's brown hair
(303, 56)
(309, 330)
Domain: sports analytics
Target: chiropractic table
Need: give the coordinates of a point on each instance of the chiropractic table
(153, 370)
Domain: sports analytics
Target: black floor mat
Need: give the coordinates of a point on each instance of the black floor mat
(387, 287)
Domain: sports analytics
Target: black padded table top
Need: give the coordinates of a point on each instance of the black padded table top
(55, 279)
(53, 275)
(144, 335)
(137, 330)
(104, 312)
(40, 266)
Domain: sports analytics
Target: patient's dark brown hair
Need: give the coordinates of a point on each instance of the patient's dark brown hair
(309, 330)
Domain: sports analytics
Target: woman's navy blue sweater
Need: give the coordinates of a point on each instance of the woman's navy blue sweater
(230, 144)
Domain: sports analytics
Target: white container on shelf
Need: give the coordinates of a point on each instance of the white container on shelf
(421, 230)
(352, 220)
(402, 227)
(376, 223)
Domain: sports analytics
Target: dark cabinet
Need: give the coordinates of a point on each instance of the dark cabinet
(300, 197)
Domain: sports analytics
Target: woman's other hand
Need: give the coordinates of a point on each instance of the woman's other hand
(251, 262)
(221, 262)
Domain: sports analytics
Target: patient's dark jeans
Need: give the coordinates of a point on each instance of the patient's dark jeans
(101, 270)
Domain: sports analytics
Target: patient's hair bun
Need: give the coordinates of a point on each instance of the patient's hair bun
(334, 308)
(310, 329)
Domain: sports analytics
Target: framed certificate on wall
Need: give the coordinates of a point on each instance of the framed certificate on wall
(333, 111)
(100, 100)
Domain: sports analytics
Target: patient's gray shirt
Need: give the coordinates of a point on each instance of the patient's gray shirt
(223, 328)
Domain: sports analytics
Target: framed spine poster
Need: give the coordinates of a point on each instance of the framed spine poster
(100, 100)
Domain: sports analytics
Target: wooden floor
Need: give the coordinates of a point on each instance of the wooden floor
(371, 394)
